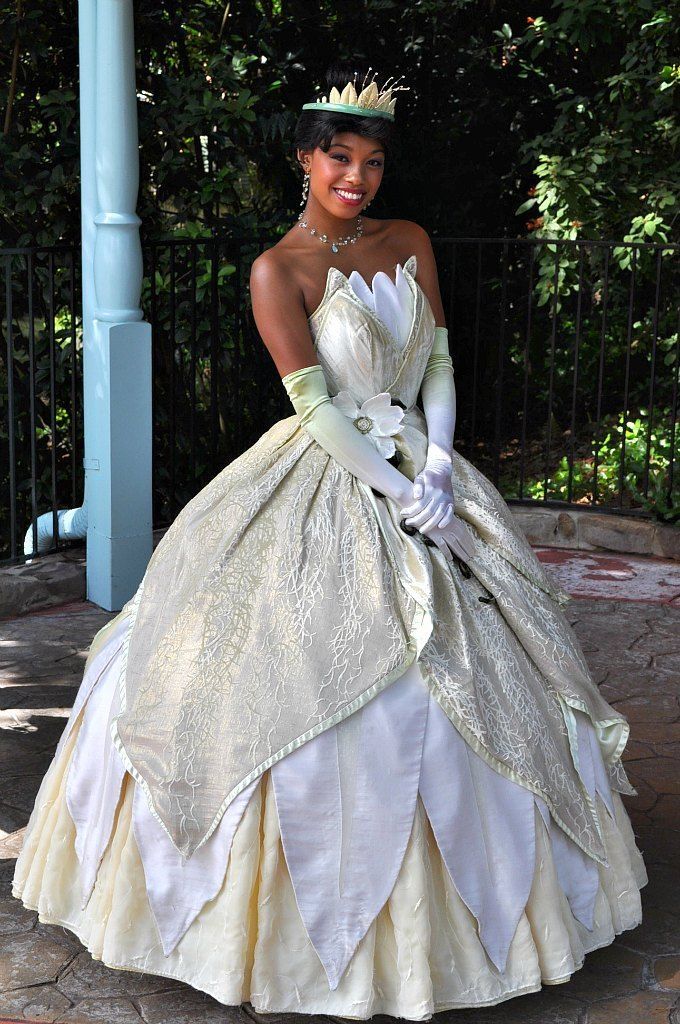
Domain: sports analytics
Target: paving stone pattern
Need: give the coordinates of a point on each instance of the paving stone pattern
(46, 974)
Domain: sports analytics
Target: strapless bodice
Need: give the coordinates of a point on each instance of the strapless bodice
(372, 340)
(392, 301)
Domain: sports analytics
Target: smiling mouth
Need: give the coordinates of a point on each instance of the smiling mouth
(348, 195)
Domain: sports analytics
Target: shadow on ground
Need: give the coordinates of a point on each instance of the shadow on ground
(633, 649)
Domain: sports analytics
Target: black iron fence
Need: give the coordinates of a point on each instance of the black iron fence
(40, 391)
(569, 357)
(566, 354)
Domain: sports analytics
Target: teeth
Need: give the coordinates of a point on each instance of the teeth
(348, 195)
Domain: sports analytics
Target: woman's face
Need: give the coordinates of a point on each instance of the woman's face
(346, 178)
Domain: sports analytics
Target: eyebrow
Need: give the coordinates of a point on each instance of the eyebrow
(345, 146)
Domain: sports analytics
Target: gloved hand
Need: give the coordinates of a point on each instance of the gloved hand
(435, 503)
(432, 487)
(336, 433)
(452, 539)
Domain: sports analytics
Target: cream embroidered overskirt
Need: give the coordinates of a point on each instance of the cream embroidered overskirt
(284, 598)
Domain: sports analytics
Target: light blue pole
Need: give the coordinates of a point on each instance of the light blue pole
(116, 514)
(117, 342)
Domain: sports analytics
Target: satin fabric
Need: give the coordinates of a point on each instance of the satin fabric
(392, 301)
(346, 803)
(349, 805)
(285, 597)
(422, 953)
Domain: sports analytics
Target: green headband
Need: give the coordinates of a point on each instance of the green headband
(349, 108)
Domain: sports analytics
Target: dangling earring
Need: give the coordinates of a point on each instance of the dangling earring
(305, 189)
(367, 205)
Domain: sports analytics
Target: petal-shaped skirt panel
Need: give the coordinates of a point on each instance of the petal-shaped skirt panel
(285, 596)
(228, 921)
(315, 765)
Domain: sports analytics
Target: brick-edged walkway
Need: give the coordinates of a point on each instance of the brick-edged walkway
(633, 648)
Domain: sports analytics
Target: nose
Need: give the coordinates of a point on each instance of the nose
(353, 172)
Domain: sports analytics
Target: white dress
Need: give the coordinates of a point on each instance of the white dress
(381, 867)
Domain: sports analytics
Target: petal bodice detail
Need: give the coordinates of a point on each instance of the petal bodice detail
(392, 301)
(358, 350)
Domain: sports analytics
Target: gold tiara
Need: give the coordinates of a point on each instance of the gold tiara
(369, 102)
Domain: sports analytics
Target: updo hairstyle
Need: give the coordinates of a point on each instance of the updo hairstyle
(317, 127)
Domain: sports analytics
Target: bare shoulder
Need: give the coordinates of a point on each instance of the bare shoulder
(411, 236)
(415, 241)
(267, 269)
(273, 276)
(279, 311)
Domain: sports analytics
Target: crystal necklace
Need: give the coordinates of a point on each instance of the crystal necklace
(335, 246)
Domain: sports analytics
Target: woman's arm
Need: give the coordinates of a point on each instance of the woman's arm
(432, 490)
(415, 240)
(281, 319)
(437, 388)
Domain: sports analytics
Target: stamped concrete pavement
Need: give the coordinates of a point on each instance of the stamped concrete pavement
(633, 649)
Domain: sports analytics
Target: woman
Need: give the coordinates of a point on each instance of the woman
(341, 752)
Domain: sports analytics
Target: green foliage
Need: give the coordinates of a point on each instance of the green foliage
(609, 164)
(42, 383)
(615, 470)
(558, 121)
(576, 107)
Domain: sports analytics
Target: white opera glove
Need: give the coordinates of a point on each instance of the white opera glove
(432, 487)
(337, 433)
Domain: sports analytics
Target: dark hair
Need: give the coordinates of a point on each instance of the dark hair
(317, 127)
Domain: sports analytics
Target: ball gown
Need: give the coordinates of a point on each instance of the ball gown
(315, 766)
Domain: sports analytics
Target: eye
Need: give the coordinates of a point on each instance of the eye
(338, 156)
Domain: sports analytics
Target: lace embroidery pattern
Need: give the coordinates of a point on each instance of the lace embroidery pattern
(284, 597)
(278, 609)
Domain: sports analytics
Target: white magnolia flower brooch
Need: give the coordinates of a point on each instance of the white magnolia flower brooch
(377, 418)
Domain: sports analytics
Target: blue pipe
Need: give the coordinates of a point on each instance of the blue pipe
(71, 525)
